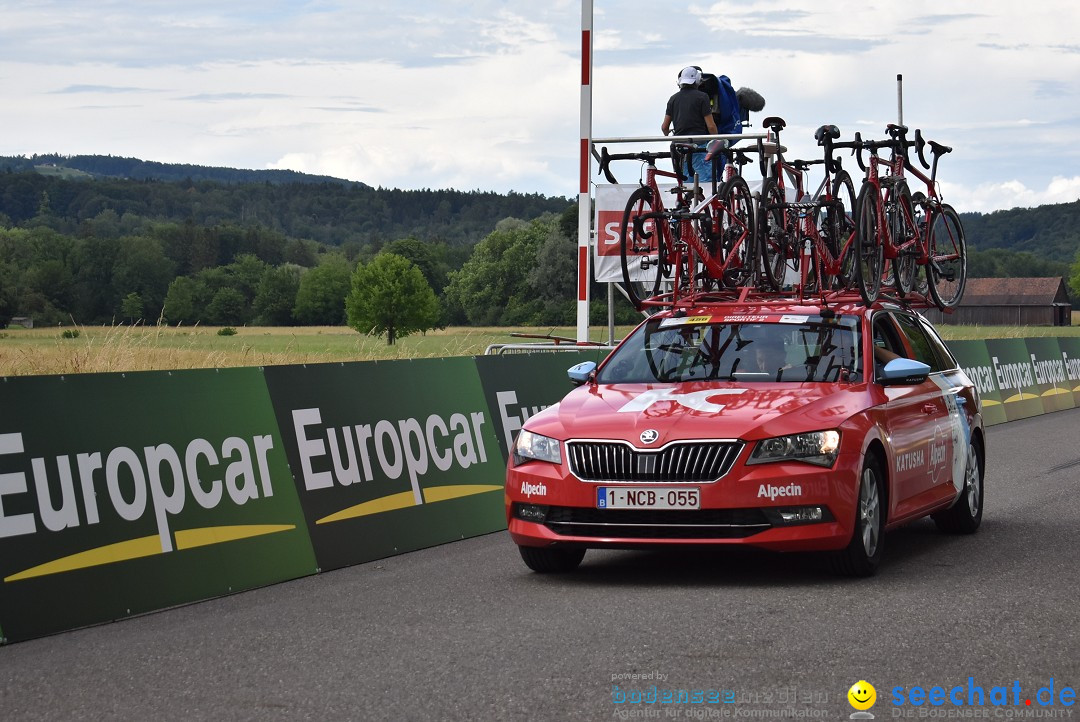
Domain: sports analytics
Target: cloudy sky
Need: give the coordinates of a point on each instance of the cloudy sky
(485, 94)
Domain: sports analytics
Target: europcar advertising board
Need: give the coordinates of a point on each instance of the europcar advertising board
(517, 387)
(1070, 357)
(124, 493)
(389, 457)
(975, 360)
(1016, 378)
(1051, 377)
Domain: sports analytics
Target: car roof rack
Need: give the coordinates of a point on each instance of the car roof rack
(748, 295)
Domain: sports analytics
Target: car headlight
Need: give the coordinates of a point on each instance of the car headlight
(816, 447)
(534, 447)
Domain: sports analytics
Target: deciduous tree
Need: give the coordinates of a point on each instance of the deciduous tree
(391, 296)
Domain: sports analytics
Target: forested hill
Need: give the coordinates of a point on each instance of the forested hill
(107, 166)
(1050, 232)
(330, 212)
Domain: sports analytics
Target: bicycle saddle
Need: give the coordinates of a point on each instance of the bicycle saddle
(826, 131)
(714, 147)
(774, 122)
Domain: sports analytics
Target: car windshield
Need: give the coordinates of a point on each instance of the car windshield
(789, 348)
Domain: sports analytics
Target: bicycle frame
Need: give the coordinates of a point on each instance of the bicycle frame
(684, 247)
(801, 237)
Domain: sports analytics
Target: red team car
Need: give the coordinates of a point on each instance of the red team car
(778, 425)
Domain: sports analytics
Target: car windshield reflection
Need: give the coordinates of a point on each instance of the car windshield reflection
(674, 350)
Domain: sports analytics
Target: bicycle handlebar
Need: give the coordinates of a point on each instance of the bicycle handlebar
(645, 156)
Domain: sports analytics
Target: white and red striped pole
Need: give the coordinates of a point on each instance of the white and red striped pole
(584, 196)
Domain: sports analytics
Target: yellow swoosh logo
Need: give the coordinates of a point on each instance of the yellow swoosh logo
(191, 538)
(404, 500)
(1022, 396)
(147, 546)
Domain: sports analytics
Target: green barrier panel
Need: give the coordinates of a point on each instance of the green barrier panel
(1050, 378)
(1070, 356)
(519, 386)
(975, 360)
(125, 493)
(1015, 378)
(389, 457)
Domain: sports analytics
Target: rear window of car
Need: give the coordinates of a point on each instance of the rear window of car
(798, 348)
(948, 361)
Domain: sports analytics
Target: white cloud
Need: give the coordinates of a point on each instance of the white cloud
(485, 94)
(988, 197)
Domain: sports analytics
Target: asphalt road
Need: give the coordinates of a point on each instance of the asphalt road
(464, 631)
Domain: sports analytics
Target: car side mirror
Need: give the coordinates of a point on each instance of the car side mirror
(582, 373)
(903, 372)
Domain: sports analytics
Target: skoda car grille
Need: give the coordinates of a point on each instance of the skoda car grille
(695, 462)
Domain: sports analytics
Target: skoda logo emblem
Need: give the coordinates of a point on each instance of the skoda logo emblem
(649, 435)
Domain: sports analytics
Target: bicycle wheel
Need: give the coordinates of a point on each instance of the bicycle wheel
(772, 235)
(868, 248)
(901, 232)
(840, 224)
(947, 270)
(736, 234)
(641, 246)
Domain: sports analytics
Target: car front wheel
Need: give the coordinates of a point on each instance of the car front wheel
(863, 553)
(548, 560)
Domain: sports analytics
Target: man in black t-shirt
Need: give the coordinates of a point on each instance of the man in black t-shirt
(691, 112)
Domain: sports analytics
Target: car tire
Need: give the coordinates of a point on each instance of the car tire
(863, 553)
(965, 515)
(549, 560)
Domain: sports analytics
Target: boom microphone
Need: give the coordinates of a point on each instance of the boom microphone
(750, 99)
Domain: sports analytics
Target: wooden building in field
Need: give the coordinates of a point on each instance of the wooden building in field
(1010, 302)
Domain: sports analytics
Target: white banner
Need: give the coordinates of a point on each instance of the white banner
(610, 206)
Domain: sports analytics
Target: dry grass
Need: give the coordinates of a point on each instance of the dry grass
(97, 349)
(969, 333)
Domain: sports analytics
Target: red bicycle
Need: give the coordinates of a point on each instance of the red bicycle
(700, 245)
(891, 230)
(813, 235)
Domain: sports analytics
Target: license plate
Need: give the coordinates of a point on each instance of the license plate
(647, 497)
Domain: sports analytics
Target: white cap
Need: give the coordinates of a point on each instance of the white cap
(689, 76)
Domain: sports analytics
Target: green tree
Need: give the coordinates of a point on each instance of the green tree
(1074, 278)
(320, 299)
(492, 288)
(276, 296)
(553, 278)
(429, 257)
(247, 273)
(7, 292)
(132, 307)
(142, 268)
(184, 302)
(391, 296)
(228, 307)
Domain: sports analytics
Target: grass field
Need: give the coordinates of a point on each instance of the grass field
(44, 351)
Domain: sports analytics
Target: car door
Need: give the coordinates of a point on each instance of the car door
(962, 402)
(903, 417)
(930, 432)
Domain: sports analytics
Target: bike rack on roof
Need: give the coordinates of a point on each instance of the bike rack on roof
(754, 297)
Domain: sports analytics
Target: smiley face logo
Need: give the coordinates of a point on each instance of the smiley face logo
(862, 695)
